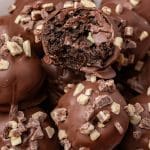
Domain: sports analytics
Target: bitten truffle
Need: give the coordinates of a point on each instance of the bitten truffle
(138, 134)
(89, 114)
(29, 129)
(81, 38)
(21, 73)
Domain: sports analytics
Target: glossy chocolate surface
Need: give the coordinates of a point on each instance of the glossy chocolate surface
(141, 81)
(142, 8)
(21, 75)
(70, 115)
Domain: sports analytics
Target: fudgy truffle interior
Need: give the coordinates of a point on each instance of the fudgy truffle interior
(79, 37)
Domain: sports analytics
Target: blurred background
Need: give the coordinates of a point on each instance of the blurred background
(4, 4)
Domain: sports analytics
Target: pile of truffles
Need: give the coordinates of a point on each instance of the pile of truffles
(75, 75)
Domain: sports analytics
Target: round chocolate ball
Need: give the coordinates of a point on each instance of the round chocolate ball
(28, 129)
(135, 32)
(81, 38)
(89, 114)
(138, 134)
(21, 73)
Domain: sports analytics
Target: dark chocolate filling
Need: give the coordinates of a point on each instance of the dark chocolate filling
(65, 38)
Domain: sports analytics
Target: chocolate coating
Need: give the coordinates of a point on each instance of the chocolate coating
(43, 141)
(75, 40)
(141, 81)
(59, 78)
(138, 135)
(71, 115)
(142, 8)
(132, 43)
(21, 78)
(125, 3)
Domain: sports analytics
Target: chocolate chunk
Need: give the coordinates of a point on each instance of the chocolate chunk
(145, 123)
(102, 101)
(106, 86)
(137, 134)
(103, 116)
(40, 116)
(59, 115)
(66, 144)
(119, 127)
(86, 128)
(138, 108)
(38, 134)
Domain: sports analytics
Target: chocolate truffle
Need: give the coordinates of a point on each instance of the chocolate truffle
(28, 130)
(21, 73)
(135, 32)
(139, 6)
(138, 134)
(89, 114)
(81, 38)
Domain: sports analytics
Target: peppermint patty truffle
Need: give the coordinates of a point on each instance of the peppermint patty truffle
(89, 114)
(81, 38)
(21, 73)
(27, 130)
(138, 134)
(135, 32)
